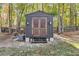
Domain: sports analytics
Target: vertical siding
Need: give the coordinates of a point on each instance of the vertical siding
(28, 26)
(49, 26)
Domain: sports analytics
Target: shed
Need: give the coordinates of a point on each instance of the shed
(39, 26)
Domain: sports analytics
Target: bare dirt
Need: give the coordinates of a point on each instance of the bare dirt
(73, 35)
(5, 40)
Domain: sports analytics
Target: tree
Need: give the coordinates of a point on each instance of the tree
(0, 17)
(73, 15)
(10, 18)
(40, 7)
(60, 19)
(59, 25)
(76, 17)
(19, 9)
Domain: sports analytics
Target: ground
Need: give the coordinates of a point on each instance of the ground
(71, 38)
(5, 40)
(73, 35)
(56, 48)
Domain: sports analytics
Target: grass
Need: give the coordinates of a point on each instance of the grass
(57, 48)
(73, 42)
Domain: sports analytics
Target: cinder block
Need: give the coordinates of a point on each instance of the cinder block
(51, 39)
(27, 39)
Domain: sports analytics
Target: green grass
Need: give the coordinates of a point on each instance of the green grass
(58, 48)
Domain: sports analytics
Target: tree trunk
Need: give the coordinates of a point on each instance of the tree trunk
(10, 18)
(59, 21)
(76, 18)
(18, 23)
(19, 17)
(0, 21)
(62, 20)
(73, 20)
(0, 24)
(40, 6)
(72, 15)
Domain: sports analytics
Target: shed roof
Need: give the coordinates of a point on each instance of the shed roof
(38, 13)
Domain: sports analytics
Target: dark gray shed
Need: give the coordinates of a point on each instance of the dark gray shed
(39, 26)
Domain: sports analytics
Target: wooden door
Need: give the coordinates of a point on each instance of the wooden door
(39, 26)
(43, 26)
(35, 26)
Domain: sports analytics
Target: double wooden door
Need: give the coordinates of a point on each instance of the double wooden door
(39, 26)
